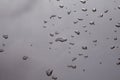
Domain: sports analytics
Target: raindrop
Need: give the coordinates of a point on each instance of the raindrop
(50, 42)
(118, 58)
(92, 23)
(5, 36)
(113, 47)
(57, 0)
(84, 9)
(45, 22)
(118, 63)
(115, 38)
(74, 59)
(118, 6)
(83, 70)
(1, 50)
(75, 22)
(85, 56)
(49, 72)
(106, 11)
(84, 26)
(56, 33)
(80, 54)
(72, 66)
(80, 19)
(83, 1)
(84, 47)
(101, 15)
(94, 41)
(54, 78)
(94, 9)
(69, 12)
(25, 57)
(52, 16)
(72, 43)
(3, 44)
(118, 25)
(59, 17)
(77, 32)
(44, 26)
(100, 62)
(110, 19)
(52, 35)
(61, 6)
(61, 39)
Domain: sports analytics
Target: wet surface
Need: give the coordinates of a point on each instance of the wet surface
(60, 40)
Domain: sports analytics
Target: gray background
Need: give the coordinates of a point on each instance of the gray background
(23, 22)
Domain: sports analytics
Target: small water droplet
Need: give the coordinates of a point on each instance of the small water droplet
(84, 47)
(60, 39)
(49, 72)
(1, 50)
(5, 36)
(92, 23)
(61, 6)
(83, 1)
(84, 9)
(94, 9)
(72, 66)
(25, 57)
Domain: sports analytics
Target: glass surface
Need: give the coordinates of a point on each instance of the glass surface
(59, 39)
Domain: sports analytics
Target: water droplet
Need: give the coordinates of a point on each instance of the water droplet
(92, 23)
(101, 15)
(61, 6)
(118, 25)
(49, 72)
(84, 47)
(80, 54)
(5, 36)
(69, 12)
(57, 0)
(110, 19)
(50, 42)
(106, 11)
(83, 1)
(74, 59)
(52, 35)
(83, 70)
(75, 22)
(3, 44)
(80, 19)
(25, 57)
(118, 63)
(1, 50)
(54, 78)
(94, 9)
(84, 26)
(115, 38)
(85, 56)
(45, 22)
(118, 58)
(118, 6)
(113, 47)
(77, 32)
(72, 66)
(59, 17)
(72, 43)
(94, 41)
(100, 62)
(60, 39)
(84, 9)
(52, 16)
